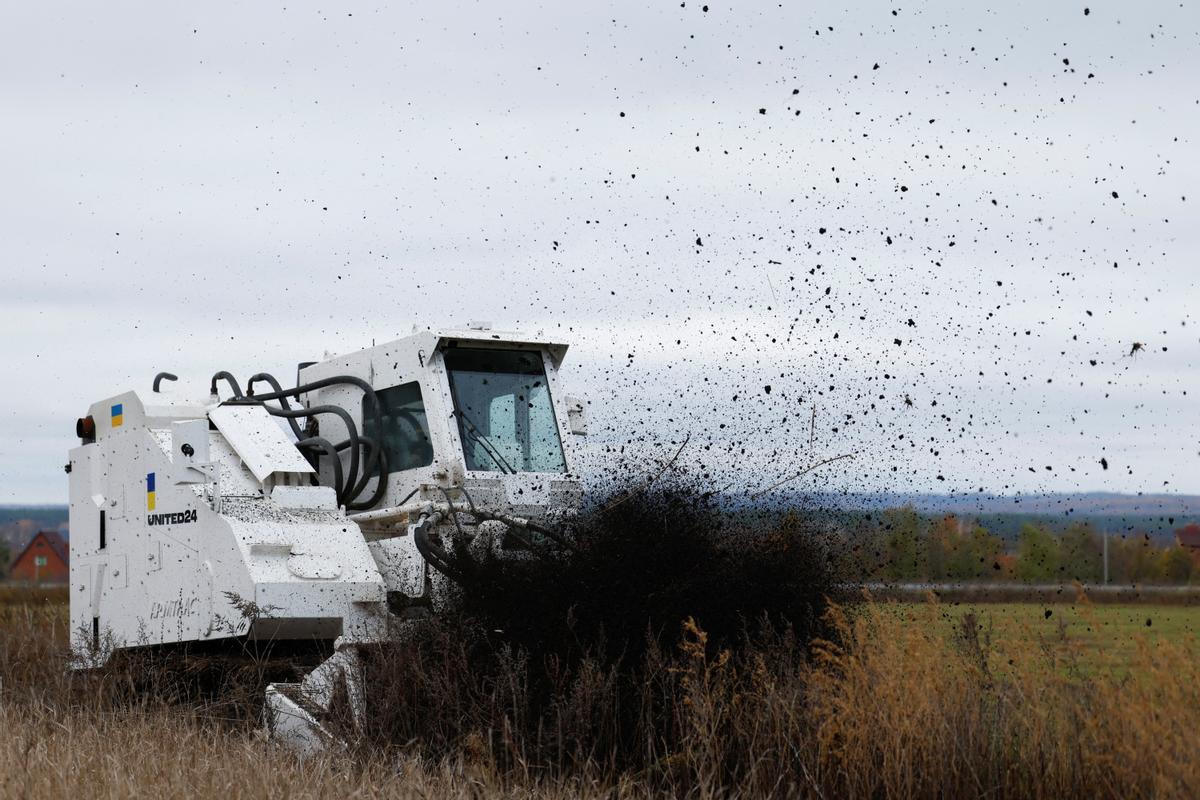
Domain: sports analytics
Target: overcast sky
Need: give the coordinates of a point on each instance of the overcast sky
(977, 211)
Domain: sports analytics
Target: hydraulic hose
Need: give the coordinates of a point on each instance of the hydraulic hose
(435, 555)
(383, 467)
(367, 389)
(371, 446)
(270, 379)
(225, 376)
(318, 443)
(375, 460)
(352, 431)
(376, 411)
(380, 486)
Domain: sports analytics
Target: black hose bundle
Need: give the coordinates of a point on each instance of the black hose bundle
(350, 484)
(352, 470)
(270, 379)
(317, 443)
(374, 461)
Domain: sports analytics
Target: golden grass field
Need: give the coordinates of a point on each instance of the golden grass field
(913, 700)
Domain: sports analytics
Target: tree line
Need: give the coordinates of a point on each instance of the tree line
(903, 545)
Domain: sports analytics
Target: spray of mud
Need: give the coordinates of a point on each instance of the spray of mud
(571, 658)
(645, 563)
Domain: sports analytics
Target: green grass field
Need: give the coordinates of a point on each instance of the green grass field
(1076, 635)
(1101, 636)
(1091, 636)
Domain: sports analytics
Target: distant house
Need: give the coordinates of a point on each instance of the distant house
(1188, 536)
(44, 560)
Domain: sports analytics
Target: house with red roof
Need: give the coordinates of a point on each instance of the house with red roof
(1188, 536)
(44, 560)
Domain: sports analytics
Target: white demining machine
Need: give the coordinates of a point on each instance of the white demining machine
(333, 511)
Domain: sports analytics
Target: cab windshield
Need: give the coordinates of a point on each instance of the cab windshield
(505, 417)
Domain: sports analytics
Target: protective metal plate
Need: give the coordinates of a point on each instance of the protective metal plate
(258, 441)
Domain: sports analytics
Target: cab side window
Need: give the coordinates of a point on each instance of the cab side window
(405, 435)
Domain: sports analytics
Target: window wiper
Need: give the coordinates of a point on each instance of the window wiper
(489, 448)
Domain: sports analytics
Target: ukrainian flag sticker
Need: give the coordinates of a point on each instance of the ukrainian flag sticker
(118, 415)
(150, 491)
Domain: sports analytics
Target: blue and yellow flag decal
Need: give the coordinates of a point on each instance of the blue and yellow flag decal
(150, 491)
(118, 415)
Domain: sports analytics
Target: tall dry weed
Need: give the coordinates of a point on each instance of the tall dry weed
(898, 711)
(891, 704)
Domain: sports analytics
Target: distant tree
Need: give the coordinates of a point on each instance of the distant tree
(977, 556)
(1175, 565)
(1133, 559)
(902, 532)
(942, 546)
(1082, 554)
(5, 555)
(1005, 567)
(1038, 554)
(868, 555)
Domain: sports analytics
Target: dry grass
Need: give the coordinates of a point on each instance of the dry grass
(889, 706)
(45, 754)
(17, 594)
(899, 712)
